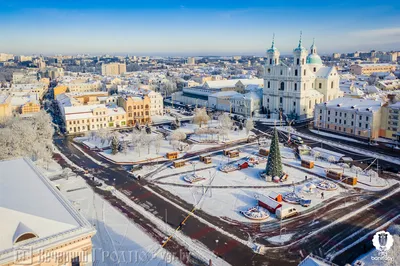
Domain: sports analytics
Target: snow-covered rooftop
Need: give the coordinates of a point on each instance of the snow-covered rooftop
(345, 103)
(29, 203)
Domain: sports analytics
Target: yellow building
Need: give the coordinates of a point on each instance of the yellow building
(59, 90)
(137, 109)
(390, 122)
(113, 69)
(368, 69)
(30, 107)
(5, 106)
(42, 227)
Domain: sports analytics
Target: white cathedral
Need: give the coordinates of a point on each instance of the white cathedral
(293, 90)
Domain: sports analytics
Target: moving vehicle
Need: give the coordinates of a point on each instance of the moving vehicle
(296, 139)
(283, 213)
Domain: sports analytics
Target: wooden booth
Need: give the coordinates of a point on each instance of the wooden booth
(172, 155)
(307, 164)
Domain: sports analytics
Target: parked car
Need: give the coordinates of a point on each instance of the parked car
(136, 167)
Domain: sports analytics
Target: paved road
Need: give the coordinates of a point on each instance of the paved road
(231, 250)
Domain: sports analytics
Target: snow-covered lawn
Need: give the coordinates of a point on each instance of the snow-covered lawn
(230, 201)
(118, 241)
(321, 165)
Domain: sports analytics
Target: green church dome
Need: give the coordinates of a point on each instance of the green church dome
(314, 59)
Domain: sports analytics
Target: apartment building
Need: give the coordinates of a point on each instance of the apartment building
(77, 85)
(113, 69)
(5, 106)
(368, 69)
(350, 116)
(390, 121)
(137, 109)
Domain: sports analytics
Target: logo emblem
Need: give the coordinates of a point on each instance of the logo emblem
(382, 241)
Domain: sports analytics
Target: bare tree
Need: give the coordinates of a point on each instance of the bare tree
(157, 143)
(249, 125)
(147, 141)
(200, 116)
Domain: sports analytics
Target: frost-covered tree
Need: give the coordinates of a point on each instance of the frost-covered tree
(124, 147)
(225, 121)
(103, 134)
(274, 163)
(147, 141)
(157, 143)
(31, 137)
(331, 159)
(200, 116)
(114, 145)
(177, 135)
(249, 126)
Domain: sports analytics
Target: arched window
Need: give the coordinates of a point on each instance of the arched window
(269, 70)
(269, 84)
(281, 72)
(315, 69)
(305, 72)
(25, 236)
(298, 61)
(302, 61)
(295, 86)
(332, 85)
(282, 87)
(270, 61)
(296, 72)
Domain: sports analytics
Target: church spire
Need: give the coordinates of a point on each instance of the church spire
(273, 41)
(300, 41)
(313, 47)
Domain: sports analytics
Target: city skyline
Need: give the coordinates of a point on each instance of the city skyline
(179, 28)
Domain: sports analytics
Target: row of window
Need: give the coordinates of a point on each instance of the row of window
(138, 113)
(345, 115)
(282, 85)
(344, 122)
(134, 107)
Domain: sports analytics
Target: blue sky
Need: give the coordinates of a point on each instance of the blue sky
(172, 27)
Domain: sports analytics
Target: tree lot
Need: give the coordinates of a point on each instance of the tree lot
(27, 137)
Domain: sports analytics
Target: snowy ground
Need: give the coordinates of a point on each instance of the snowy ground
(118, 241)
(361, 176)
(229, 201)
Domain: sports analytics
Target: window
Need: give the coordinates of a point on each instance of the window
(269, 70)
(360, 117)
(332, 85)
(366, 118)
(269, 84)
(280, 99)
(75, 261)
(320, 111)
(296, 72)
(309, 104)
(298, 61)
(282, 87)
(294, 103)
(270, 62)
(302, 61)
(329, 119)
(304, 86)
(320, 85)
(359, 124)
(335, 113)
(295, 86)
(329, 112)
(281, 72)
(352, 123)
(314, 69)
(305, 72)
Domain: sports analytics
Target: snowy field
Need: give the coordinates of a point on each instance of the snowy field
(118, 241)
(229, 201)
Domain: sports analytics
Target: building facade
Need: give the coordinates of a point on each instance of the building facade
(293, 90)
(5, 107)
(350, 116)
(42, 227)
(368, 69)
(137, 109)
(113, 69)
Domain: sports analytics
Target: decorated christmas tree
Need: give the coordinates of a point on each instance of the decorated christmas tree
(274, 164)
